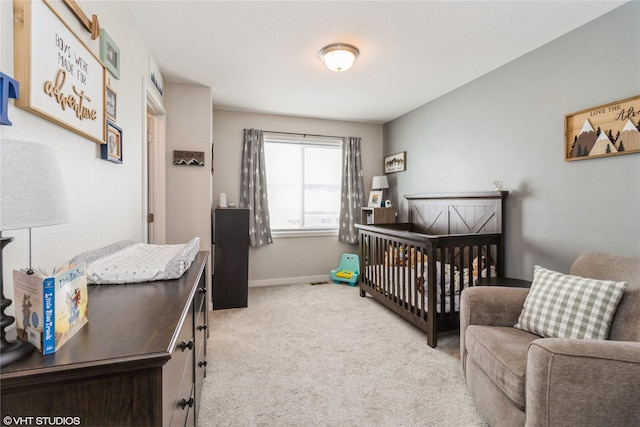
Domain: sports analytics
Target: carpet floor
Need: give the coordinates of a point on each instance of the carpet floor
(303, 355)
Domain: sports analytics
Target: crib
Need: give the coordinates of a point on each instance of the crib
(418, 268)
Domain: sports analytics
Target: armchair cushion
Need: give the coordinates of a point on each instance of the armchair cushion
(565, 306)
(501, 353)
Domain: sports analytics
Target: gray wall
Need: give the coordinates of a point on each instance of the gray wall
(289, 259)
(509, 125)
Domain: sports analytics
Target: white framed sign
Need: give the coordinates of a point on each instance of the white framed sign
(61, 79)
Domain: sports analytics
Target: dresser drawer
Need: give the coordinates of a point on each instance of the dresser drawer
(178, 371)
(184, 408)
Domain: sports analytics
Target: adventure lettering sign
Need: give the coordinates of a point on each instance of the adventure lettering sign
(61, 79)
(607, 130)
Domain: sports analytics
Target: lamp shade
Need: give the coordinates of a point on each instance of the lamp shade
(32, 191)
(339, 57)
(380, 182)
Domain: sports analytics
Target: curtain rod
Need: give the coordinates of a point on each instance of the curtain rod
(304, 135)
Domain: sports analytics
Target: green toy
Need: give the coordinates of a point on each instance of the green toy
(348, 271)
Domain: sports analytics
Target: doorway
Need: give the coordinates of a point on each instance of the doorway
(154, 201)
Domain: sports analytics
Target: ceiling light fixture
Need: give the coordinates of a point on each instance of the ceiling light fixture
(339, 57)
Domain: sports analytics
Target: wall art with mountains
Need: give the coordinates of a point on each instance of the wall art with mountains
(607, 130)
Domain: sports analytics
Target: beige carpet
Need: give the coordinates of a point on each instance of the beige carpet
(303, 355)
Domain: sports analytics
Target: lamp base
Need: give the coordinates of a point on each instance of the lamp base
(11, 352)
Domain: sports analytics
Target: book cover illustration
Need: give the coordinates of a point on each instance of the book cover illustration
(50, 309)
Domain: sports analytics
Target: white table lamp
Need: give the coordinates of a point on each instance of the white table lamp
(32, 194)
(380, 183)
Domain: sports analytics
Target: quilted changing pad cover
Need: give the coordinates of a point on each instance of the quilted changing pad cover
(131, 262)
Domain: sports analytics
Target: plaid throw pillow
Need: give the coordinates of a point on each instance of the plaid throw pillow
(562, 306)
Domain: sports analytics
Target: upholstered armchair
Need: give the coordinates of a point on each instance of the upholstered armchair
(517, 378)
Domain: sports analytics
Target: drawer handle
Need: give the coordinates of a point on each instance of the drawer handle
(202, 290)
(186, 403)
(202, 327)
(202, 363)
(187, 345)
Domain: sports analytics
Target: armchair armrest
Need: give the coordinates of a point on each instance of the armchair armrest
(490, 306)
(583, 382)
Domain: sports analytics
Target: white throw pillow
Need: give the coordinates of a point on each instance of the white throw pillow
(564, 306)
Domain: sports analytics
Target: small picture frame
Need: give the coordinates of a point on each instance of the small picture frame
(110, 54)
(112, 150)
(155, 76)
(111, 103)
(395, 162)
(375, 199)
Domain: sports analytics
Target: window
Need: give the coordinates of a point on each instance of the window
(303, 182)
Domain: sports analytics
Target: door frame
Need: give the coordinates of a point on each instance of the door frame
(153, 106)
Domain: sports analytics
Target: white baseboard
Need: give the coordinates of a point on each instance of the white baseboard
(289, 281)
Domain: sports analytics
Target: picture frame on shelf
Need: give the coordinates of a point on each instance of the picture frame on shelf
(112, 150)
(375, 199)
(110, 54)
(395, 162)
(111, 103)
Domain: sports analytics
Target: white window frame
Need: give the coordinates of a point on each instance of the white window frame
(308, 140)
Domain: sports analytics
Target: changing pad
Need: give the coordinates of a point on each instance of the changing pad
(130, 262)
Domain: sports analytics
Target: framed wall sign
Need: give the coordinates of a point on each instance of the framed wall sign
(60, 78)
(188, 158)
(603, 131)
(395, 162)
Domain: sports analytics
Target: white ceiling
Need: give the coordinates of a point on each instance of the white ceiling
(262, 56)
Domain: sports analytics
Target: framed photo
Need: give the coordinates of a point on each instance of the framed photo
(155, 76)
(110, 54)
(606, 130)
(58, 71)
(375, 199)
(112, 150)
(395, 162)
(111, 103)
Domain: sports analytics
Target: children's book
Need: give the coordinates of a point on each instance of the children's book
(50, 306)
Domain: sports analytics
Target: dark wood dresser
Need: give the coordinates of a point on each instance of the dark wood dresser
(140, 361)
(230, 258)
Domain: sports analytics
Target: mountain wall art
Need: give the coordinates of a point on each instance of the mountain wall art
(607, 130)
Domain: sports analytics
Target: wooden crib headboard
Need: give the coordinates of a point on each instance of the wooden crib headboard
(457, 213)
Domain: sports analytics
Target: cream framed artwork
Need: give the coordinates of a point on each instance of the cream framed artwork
(112, 150)
(61, 79)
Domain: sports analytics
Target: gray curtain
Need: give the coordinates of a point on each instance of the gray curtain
(352, 190)
(253, 189)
